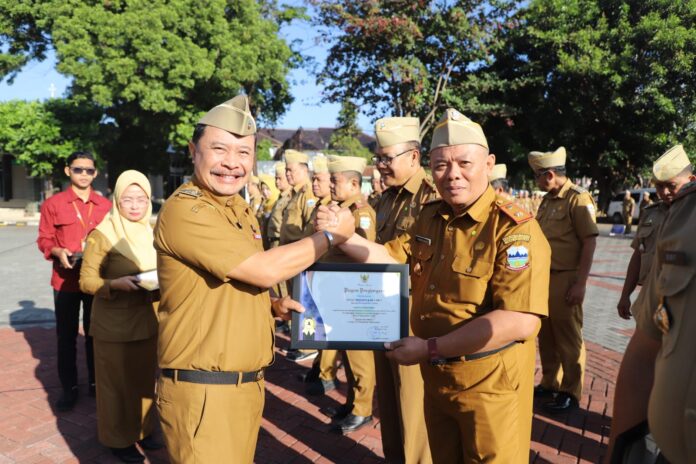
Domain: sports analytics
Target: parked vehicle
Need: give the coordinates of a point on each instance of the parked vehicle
(615, 210)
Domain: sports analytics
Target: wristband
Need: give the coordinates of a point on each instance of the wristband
(329, 237)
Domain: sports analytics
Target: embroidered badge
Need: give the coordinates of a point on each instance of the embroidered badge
(311, 202)
(516, 238)
(365, 222)
(309, 326)
(479, 246)
(517, 258)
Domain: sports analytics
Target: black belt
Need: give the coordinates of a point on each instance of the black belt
(213, 377)
(273, 239)
(471, 357)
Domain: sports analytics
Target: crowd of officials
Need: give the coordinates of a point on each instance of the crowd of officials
(489, 274)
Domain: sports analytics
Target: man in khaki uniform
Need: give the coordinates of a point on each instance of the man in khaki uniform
(376, 183)
(346, 179)
(671, 172)
(298, 212)
(479, 274)
(400, 388)
(667, 300)
(628, 207)
(567, 217)
(276, 218)
(215, 323)
(498, 180)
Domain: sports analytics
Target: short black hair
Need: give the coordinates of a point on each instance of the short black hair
(77, 155)
(198, 132)
(500, 183)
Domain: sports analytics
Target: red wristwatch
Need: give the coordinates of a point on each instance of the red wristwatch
(433, 356)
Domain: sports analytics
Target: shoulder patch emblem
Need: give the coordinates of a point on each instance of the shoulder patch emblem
(517, 258)
(365, 222)
(516, 238)
(591, 209)
(311, 202)
(190, 192)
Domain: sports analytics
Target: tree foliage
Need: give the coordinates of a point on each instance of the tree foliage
(345, 139)
(154, 66)
(612, 81)
(411, 58)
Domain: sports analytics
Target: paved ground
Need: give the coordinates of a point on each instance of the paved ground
(294, 429)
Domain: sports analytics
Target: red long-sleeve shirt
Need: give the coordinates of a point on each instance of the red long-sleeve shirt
(62, 226)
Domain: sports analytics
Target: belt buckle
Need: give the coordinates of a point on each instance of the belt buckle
(259, 375)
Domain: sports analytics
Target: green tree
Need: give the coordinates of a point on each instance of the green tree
(610, 80)
(411, 58)
(345, 139)
(153, 67)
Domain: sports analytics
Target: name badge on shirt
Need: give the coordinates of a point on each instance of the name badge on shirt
(421, 239)
(257, 236)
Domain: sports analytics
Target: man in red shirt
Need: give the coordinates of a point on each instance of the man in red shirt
(66, 219)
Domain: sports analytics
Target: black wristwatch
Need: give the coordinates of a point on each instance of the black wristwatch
(434, 357)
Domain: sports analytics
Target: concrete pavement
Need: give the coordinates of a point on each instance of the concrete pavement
(293, 429)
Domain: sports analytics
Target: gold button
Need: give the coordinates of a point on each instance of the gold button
(422, 318)
(468, 269)
(431, 287)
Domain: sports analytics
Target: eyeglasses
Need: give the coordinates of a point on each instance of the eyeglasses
(387, 160)
(89, 171)
(538, 174)
(128, 201)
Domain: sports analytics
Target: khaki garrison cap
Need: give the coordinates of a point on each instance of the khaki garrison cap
(347, 163)
(392, 131)
(545, 160)
(670, 164)
(267, 179)
(280, 168)
(232, 116)
(456, 129)
(294, 156)
(320, 165)
(499, 171)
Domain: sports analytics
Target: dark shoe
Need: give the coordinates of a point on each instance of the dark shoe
(562, 402)
(92, 391)
(128, 454)
(151, 443)
(351, 423)
(337, 413)
(298, 356)
(67, 400)
(310, 376)
(543, 392)
(320, 387)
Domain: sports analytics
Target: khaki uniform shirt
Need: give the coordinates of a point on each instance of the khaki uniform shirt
(297, 214)
(398, 207)
(671, 286)
(493, 256)
(275, 221)
(116, 316)
(629, 204)
(208, 321)
(309, 228)
(567, 218)
(646, 237)
(365, 226)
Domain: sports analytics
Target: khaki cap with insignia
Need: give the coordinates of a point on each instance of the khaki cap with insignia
(320, 165)
(545, 160)
(499, 171)
(294, 156)
(392, 131)
(670, 164)
(347, 163)
(456, 129)
(280, 168)
(232, 116)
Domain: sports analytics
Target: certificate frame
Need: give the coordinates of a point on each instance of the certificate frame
(395, 315)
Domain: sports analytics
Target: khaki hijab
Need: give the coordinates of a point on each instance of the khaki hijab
(133, 240)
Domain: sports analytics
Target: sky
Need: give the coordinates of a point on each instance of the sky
(40, 80)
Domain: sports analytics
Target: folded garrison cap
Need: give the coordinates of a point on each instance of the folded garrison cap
(456, 129)
(232, 116)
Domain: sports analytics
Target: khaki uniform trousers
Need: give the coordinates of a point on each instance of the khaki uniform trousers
(402, 423)
(327, 364)
(210, 423)
(360, 370)
(561, 347)
(125, 377)
(481, 410)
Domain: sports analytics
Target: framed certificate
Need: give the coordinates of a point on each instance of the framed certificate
(350, 306)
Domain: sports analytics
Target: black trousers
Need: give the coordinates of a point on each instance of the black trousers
(67, 306)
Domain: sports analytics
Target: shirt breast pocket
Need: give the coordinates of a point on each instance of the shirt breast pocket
(644, 233)
(65, 218)
(672, 284)
(468, 282)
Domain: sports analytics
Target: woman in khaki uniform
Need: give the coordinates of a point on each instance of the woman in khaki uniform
(124, 325)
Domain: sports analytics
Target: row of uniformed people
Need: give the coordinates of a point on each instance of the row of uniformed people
(480, 269)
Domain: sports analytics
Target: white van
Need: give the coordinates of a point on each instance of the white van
(615, 211)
